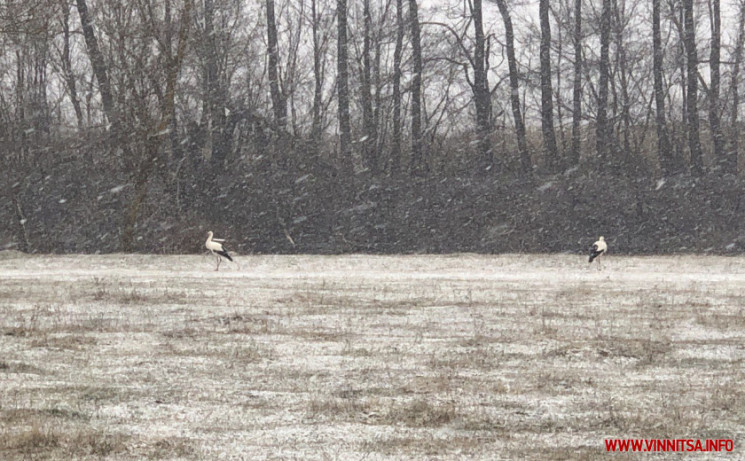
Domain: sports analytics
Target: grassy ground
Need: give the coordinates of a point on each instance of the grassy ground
(363, 357)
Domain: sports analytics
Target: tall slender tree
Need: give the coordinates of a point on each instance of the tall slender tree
(98, 62)
(213, 112)
(664, 147)
(550, 149)
(380, 83)
(318, 77)
(66, 64)
(397, 56)
(522, 145)
(279, 102)
(621, 84)
(481, 93)
(715, 116)
(603, 131)
(370, 140)
(733, 147)
(577, 86)
(689, 41)
(418, 164)
(342, 71)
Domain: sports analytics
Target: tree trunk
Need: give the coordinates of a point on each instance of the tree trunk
(67, 65)
(379, 85)
(602, 129)
(689, 40)
(279, 102)
(345, 128)
(317, 128)
(577, 86)
(418, 164)
(397, 52)
(664, 148)
(214, 96)
(733, 149)
(481, 93)
(370, 139)
(714, 88)
(174, 138)
(526, 167)
(623, 81)
(547, 105)
(98, 63)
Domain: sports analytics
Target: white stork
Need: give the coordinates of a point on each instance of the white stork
(598, 248)
(216, 248)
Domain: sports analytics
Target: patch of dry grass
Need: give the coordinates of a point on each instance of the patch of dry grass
(429, 447)
(49, 441)
(19, 368)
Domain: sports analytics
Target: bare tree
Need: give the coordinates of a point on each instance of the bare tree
(345, 128)
(621, 85)
(291, 77)
(98, 63)
(732, 151)
(547, 106)
(714, 84)
(664, 147)
(418, 164)
(522, 145)
(279, 102)
(319, 44)
(213, 111)
(370, 139)
(397, 56)
(557, 44)
(577, 86)
(380, 83)
(142, 145)
(481, 93)
(477, 62)
(603, 131)
(155, 128)
(66, 64)
(689, 41)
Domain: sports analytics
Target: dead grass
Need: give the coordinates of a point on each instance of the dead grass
(64, 342)
(734, 321)
(425, 446)
(422, 413)
(417, 413)
(243, 352)
(171, 448)
(119, 292)
(414, 357)
(19, 368)
(43, 440)
(28, 415)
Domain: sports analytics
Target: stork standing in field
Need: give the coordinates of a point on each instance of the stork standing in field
(598, 248)
(216, 248)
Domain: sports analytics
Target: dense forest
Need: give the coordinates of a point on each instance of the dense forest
(328, 126)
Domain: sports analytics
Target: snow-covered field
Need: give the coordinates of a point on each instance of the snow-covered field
(367, 357)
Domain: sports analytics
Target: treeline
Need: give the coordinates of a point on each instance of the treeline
(381, 126)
